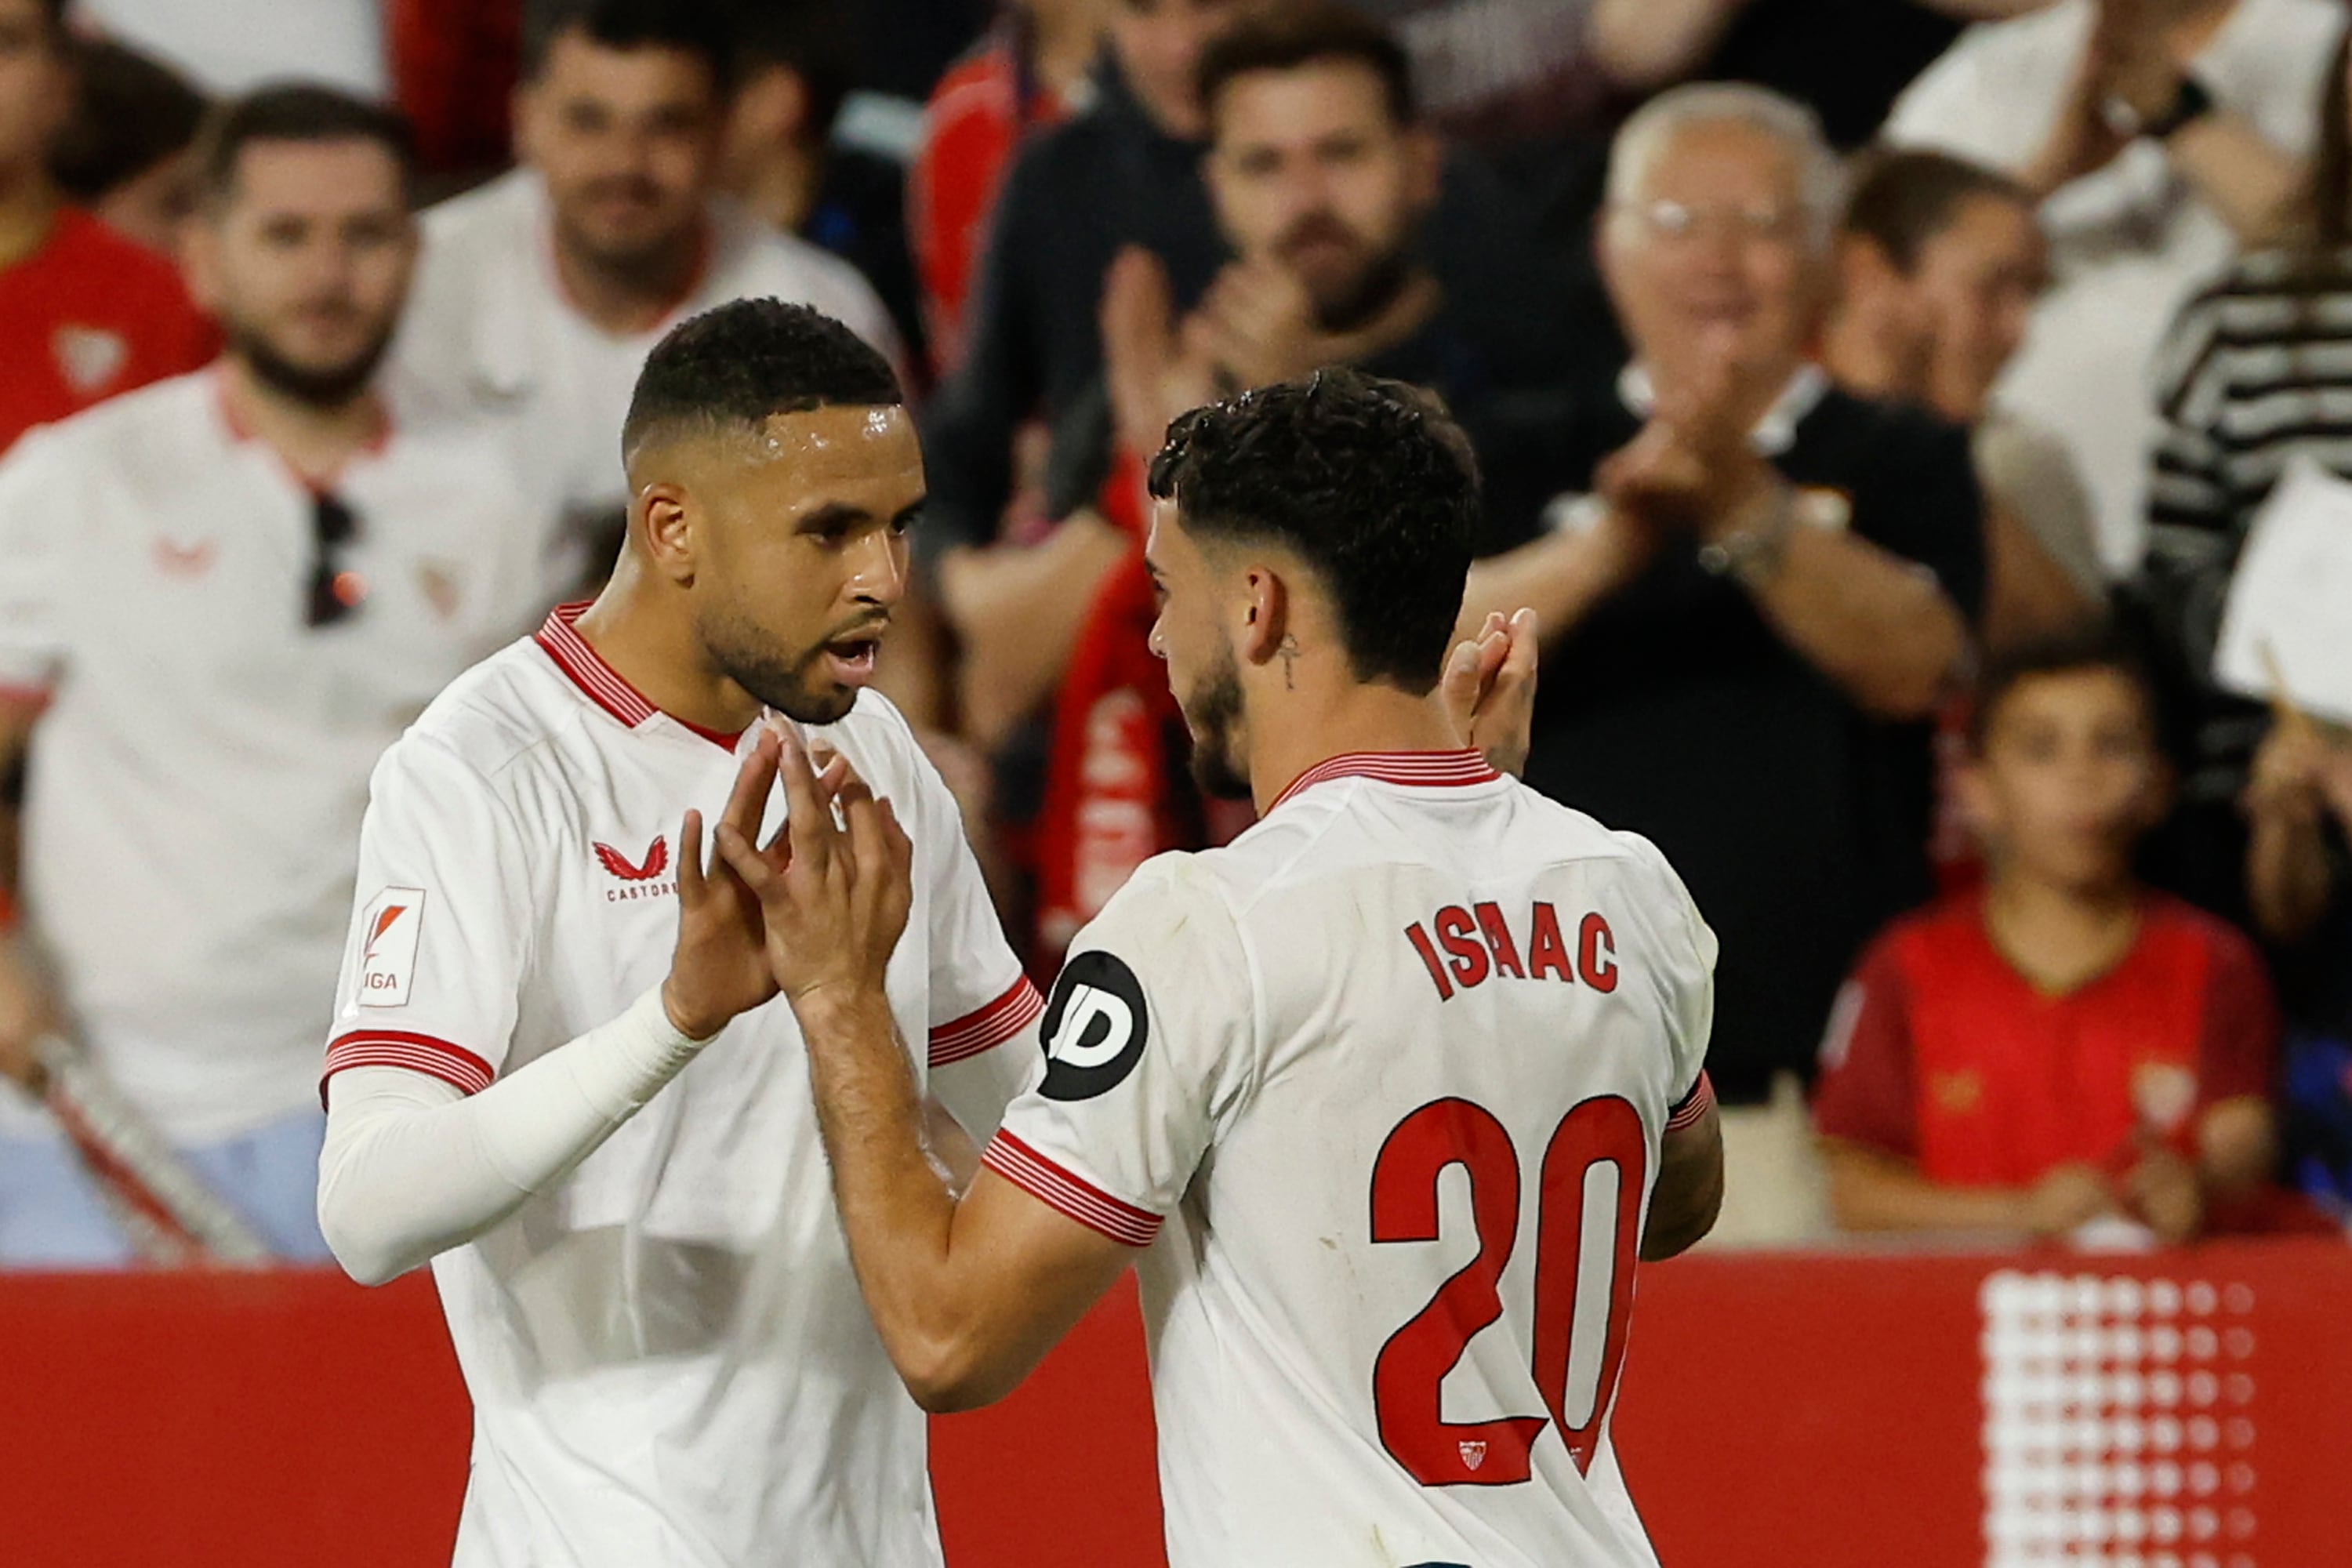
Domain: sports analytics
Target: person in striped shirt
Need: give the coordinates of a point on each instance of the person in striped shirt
(2257, 371)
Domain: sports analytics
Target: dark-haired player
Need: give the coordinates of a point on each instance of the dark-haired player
(552, 1072)
(1402, 1082)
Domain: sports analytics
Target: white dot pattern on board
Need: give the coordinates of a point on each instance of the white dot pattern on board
(2117, 1424)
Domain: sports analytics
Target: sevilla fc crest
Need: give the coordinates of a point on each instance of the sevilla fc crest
(1473, 1451)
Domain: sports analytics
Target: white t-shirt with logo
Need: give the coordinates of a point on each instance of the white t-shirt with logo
(1381, 1085)
(669, 1359)
(199, 772)
(490, 334)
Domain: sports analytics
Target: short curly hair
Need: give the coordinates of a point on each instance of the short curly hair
(1369, 480)
(748, 360)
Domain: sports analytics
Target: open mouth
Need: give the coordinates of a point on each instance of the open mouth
(852, 659)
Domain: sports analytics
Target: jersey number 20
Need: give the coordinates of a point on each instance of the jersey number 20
(1587, 1219)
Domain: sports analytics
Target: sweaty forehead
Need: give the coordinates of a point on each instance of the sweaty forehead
(843, 444)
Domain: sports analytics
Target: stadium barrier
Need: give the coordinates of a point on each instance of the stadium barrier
(2185, 1410)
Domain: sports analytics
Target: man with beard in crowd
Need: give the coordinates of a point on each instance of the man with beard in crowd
(220, 598)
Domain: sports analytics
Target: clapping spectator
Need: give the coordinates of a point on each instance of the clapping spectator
(2161, 135)
(2064, 1045)
(1754, 589)
(539, 294)
(1939, 268)
(1321, 172)
(221, 597)
(84, 312)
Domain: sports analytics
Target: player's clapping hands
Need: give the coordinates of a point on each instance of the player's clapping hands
(834, 888)
(720, 967)
(1489, 688)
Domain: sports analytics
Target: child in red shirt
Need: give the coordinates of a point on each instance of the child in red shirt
(2062, 1046)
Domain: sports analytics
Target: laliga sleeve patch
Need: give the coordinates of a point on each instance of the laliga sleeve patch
(388, 946)
(1095, 1028)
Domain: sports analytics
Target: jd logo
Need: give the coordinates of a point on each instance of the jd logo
(1095, 1028)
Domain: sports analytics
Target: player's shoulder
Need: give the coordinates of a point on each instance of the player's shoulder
(489, 721)
(1176, 907)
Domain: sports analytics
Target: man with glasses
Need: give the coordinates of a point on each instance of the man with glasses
(1754, 589)
(220, 599)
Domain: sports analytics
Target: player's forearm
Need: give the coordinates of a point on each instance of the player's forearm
(409, 1172)
(896, 1208)
(1563, 577)
(1879, 627)
(1875, 1192)
(1688, 1193)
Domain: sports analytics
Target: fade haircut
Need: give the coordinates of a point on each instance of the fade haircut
(697, 27)
(1290, 37)
(1900, 200)
(2096, 644)
(737, 366)
(1368, 480)
(296, 111)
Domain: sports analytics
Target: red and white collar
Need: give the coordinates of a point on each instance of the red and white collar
(1422, 769)
(600, 681)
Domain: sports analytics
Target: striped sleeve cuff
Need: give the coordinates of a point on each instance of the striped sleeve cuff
(989, 1028)
(453, 1065)
(1074, 1195)
(1694, 1104)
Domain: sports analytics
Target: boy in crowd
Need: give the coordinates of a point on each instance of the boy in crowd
(2064, 1045)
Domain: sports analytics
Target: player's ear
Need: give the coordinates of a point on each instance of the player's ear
(1262, 613)
(663, 526)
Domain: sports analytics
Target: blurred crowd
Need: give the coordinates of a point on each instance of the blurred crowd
(1874, 399)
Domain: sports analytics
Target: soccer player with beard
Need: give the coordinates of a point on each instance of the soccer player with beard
(221, 597)
(555, 1069)
(1265, 1062)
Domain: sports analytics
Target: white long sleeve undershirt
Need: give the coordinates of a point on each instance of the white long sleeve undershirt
(411, 1167)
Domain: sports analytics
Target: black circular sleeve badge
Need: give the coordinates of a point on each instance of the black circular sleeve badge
(1094, 1029)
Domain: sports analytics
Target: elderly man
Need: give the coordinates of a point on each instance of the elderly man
(1754, 588)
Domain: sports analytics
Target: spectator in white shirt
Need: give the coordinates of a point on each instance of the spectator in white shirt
(539, 294)
(221, 597)
(2162, 134)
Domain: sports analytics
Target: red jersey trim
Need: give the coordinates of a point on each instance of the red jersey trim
(1056, 1188)
(989, 1027)
(1420, 769)
(1694, 1104)
(587, 671)
(243, 434)
(600, 682)
(453, 1065)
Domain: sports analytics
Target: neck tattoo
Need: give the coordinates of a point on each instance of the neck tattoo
(1289, 651)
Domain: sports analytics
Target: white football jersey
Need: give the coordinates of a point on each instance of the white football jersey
(1392, 1068)
(669, 1359)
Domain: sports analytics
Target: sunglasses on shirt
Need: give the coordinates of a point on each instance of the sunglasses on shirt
(335, 591)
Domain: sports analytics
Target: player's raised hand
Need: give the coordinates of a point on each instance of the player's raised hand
(835, 901)
(1489, 688)
(720, 967)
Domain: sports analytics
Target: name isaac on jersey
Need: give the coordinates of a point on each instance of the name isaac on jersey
(1477, 943)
